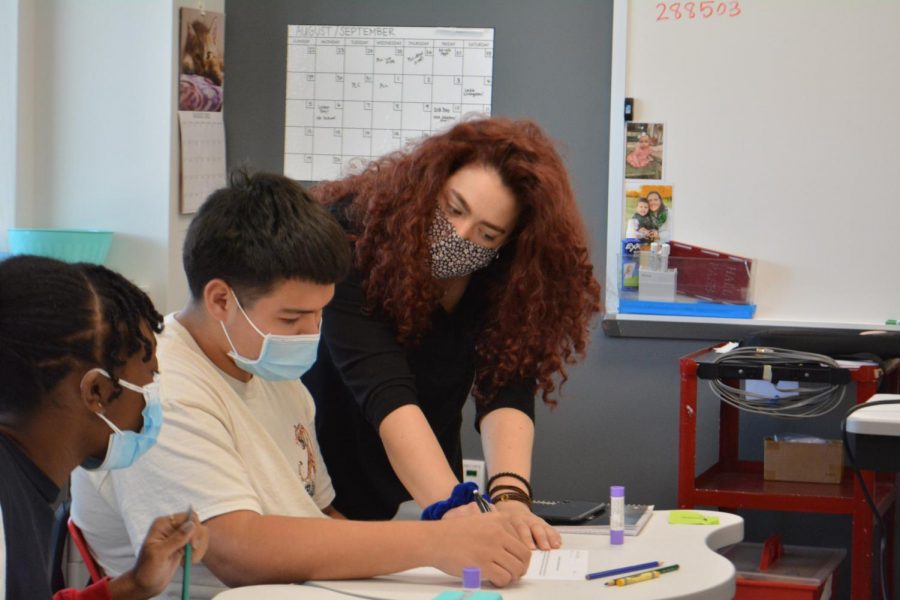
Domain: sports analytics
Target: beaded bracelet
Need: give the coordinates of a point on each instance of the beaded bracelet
(514, 476)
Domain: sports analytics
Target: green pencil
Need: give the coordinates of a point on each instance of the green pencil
(186, 578)
(186, 573)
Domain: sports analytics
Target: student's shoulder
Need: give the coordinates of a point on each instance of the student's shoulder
(187, 376)
(177, 351)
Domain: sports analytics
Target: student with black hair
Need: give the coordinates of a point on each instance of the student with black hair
(76, 363)
(262, 259)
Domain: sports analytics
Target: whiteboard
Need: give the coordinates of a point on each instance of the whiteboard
(782, 144)
(354, 93)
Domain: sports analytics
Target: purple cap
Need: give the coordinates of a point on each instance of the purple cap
(617, 537)
(471, 578)
(617, 491)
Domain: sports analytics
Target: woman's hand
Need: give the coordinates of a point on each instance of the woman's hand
(161, 555)
(532, 530)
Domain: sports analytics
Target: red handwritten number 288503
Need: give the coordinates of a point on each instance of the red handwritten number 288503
(697, 10)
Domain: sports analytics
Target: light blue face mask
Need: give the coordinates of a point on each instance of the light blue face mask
(125, 447)
(282, 357)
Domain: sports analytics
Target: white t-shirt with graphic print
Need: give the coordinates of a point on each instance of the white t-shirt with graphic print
(224, 446)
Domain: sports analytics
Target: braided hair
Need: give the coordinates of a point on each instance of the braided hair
(55, 317)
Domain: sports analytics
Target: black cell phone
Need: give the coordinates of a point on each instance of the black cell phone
(567, 512)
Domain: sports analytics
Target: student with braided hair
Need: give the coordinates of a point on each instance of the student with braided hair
(77, 366)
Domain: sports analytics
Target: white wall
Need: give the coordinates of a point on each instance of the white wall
(9, 18)
(25, 117)
(97, 138)
(102, 141)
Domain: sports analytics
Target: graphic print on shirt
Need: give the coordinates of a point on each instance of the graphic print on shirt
(306, 468)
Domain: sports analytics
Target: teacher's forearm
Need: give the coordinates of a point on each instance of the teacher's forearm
(416, 456)
(507, 436)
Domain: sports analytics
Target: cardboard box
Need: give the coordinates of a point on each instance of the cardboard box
(798, 461)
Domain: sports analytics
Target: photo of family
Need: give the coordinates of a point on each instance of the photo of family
(643, 150)
(202, 76)
(648, 212)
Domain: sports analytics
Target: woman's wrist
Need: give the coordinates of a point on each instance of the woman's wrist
(513, 506)
(512, 495)
(506, 486)
(506, 478)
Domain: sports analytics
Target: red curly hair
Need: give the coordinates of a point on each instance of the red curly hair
(540, 294)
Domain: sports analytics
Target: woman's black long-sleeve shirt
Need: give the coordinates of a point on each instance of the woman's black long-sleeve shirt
(362, 375)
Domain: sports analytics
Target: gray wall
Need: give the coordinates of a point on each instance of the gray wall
(618, 411)
(617, 419)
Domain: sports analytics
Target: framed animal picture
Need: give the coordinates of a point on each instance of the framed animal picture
(202, 59)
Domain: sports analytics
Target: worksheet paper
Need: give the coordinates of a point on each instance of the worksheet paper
(570, 565)
(355, 93)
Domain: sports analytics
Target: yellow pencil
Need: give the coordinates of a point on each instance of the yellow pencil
(645, 576)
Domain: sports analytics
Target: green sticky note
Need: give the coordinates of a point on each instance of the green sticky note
(689, 517)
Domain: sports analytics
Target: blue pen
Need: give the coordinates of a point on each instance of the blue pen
(621, 570)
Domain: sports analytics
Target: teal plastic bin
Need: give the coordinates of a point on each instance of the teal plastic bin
(71, 245)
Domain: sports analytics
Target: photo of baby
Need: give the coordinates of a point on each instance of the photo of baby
(648, 212)
(202, 61)
(643, 150)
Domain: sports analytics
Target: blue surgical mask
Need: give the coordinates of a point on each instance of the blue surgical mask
(125, 447)
(282, 357)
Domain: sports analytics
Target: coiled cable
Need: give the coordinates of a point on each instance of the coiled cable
(807, 400)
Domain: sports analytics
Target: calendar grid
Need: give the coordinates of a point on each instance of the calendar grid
(352, 97)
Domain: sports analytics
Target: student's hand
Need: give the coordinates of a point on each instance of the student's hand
(532, 530)
(487, 541)
(161, 555)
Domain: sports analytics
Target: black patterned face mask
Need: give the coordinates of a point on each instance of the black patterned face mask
(451, 255)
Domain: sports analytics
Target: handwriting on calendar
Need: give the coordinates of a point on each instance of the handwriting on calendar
(705, 9)
(356, 93)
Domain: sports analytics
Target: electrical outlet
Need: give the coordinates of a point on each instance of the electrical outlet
(473, 470)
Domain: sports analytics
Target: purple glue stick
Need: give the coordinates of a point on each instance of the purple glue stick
(617, 514)
(471, 579)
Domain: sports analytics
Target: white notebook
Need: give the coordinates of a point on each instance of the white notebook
(636, 516)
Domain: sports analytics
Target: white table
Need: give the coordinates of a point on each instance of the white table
(704, 574)
(877, 420)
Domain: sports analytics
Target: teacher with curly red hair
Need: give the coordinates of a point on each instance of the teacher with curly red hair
(471, 275)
